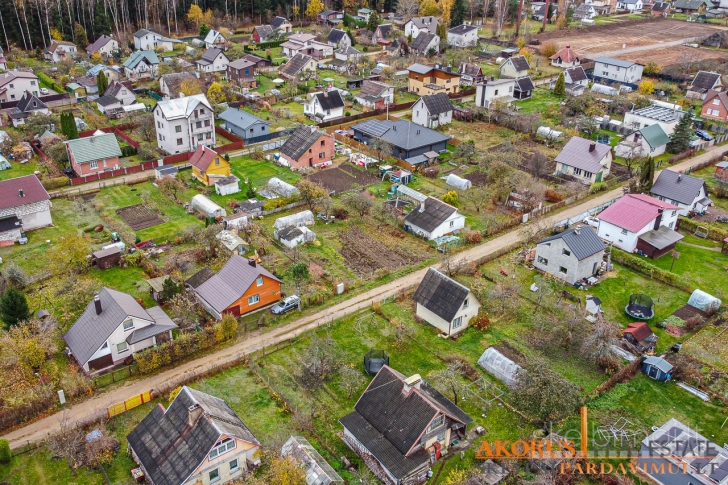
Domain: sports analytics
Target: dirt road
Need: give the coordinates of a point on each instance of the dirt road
(38, 430)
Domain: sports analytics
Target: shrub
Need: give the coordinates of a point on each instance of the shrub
(481, 321)
(5, 455)
(661, 324)
(549, 49)
(431, 172)
(597, 187)
(693, 322)
(473, 237)
(50, 82)
(552, 195)
(340, 214)
(451, 198)
(55, 182)
(348, 113)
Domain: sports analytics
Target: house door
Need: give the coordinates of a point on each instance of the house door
(101, 363)
(595, 267)
(653, 372)
(599, 177)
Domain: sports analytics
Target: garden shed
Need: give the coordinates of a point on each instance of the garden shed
(500, 366)
(204, 205)
(293, 236)
(656, 368)
(156, 286)
(300, 219)
(107, 258)
(703, 301)
(458, 182)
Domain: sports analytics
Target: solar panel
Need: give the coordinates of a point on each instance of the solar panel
(719, 475)
(373, 128)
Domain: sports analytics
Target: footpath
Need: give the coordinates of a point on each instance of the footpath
(40, 429)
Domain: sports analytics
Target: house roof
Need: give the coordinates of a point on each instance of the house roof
(470, 69)
(639, 330)
(300, 141)
(372, 88)
(677, 186)
(239, 118)
(436, 212)
(691, 4)
(661, 237)
(98, 44)
(660, 113)
(115, 88)
(107, 101)
(182, 107)
(301, 38)
(704, 81)
(660, 6)
(139, 56)
(212, 36)
(289, 233)
(654, 135)
(402, 134)
(211, 54)
(658, 362)
(295, 65)
(170, 444)
(33, 191)
(576, 154)
(422, 41)
(520, 63)
(384, 29)
(524, 84)
(317, 468)
(90, 331)
(429, 23)
(163, 324)
(233, 280)
(347, 51)
(263, 30)
(203, 157)
(389, 419)
(440, 294)
(86, 81)
(721, 95)
(95, 147)
(583, 242)
(10, 76)
(30, 102)
(200, 277)
(614, 62)
(142, 32)
(56, 43)
(462, 29)
(278, 21)
(174, 81)
(577, 74)
(336, 35)
(634, 211)
(420, 68)
(437, 103)
(567, 54)
(330, 100)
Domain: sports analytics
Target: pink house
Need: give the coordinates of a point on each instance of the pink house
(308, 147)
(97, 153)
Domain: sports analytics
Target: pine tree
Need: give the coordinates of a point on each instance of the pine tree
(102, 82)
(13, 307)
(560, 87)
(680, 138)
(647, 176)
(373, 22)
(457, 13)
(72, 127)
(351, 37)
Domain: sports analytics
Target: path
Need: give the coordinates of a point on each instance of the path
(38, 430)
(717, 250)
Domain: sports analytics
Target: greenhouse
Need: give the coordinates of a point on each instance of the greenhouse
(500, 366)
(704, 301)
(204, 205)
(278, 186)
(458, 182)
(299, 219)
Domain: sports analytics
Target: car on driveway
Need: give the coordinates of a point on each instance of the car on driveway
(285, 305)
(44, 91)
(704, 135)
(592, 221)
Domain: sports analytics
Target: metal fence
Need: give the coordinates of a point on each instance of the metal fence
(131, 403)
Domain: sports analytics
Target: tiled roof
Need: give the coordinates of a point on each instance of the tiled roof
(576, 74)
(436, 212)
(634, 211)
(437, 103)
(372, 88)
(440, 294)
(577, 154)
(202, 157)
(347, 51)
(107, 100)
(241, 119)
(211, 54)
(263, 30)
(470, 69)
(384, 29)
(660, 6)
(704, 81)
(142, 32)
(721, 95)
(95, 147)
(422, 41)
(583, 242)
(430, 23)
(10, 76)
(174, 81)
(30, 102)
(33, 191)
(567, 54)
(300, 141)
(677, 186)
(115, 88)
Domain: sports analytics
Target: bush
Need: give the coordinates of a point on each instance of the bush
(481, 322)
(473, 237)
(451, 198)
(431, 172)
(552, 195)
(50, 82)
(55, 182)
(340, 214)
(693, 322)
(549, 49)
(5, 455)
(597, 187)
(715, 233)
(348, 113)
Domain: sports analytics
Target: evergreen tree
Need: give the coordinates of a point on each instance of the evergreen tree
(102, 82)
(647, 176)
(13, 307)
(72, 127)
(373, 22)
(170, 289)
(204, 29)
(102, 23)
(680, 138)
(457, 13)
(560, 87)
(351, 37)
(441, 31)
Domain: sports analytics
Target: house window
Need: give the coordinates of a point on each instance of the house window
(179, 141)
(224, 446)
(202, 112)
(670, 225)
(94, 164)
(436, 423)
(122, 347)
(715, 101)
(207, 122)
(496, 93)
(214, 475)
(466, 303)
(178, 129)
(323, 143)
(198, 124)
(510, 89)
(129, 324)
(457, 322)
(200, 137)
(233, 466)
(217, 161)
(12, 86)
(566, 252)
(577, 171)
(252, 300)
(674, 213)
(208, 136)
(624, 231)
(562, 270)
(542, 260)
(322, 155)
(259, 281)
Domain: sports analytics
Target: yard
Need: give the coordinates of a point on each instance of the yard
(20, 169)
(708, 175)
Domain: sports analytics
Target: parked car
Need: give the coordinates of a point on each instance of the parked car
(592, 221)
(44, 91)
(704, 135)
(285, 305)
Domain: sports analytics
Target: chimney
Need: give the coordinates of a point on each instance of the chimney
(592, 147)
(97, 304)
(660, 210)
(422, 206)
(21, 193)
(568, 47)
(577, 230)
(194, 412)
(679, 178)
(251, 262)
(410, 382)
(449, 68)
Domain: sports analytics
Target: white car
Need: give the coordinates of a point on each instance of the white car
(44, 91)
(592, 221)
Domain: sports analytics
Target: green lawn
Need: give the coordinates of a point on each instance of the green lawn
(708, 175)
(20, 169)
(542, 100)
(704, 268)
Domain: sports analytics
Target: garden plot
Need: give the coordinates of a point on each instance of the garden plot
(365, 254)
(710, 346)
(343, 178)
(139, 217)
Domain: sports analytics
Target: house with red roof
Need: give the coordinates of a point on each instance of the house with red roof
(638, 222)
(24, 205)
(208, 166)
(566, 58)
(640, 336)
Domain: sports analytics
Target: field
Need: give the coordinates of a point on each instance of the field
(366, 255)
(668, 56)
(343, 178)
(19, 169)
(710, 346)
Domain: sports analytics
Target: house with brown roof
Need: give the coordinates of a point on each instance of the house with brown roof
(703, 83)
(400, 425)
(661, 9)
(640, 336)
(444, 303)
(715, 105)
(425, 80)
(208, 166)
(470, 73)
(375, 94)
(308, 147)
(297, 65)
(585, 160)
(104, 46)
(240, 287)
(24, 205)
(59, 49)
(566, 57)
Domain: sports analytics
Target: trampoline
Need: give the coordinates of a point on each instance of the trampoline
(374, 360)
(640, 307)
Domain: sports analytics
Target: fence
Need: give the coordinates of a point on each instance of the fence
(269, 136)
(115, 376)
(115, 130)
(235, 142)
(131, 403)
(50, 100)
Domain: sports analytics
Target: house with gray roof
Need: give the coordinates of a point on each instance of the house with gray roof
(617, 71)
(691, 6)
(112, 328)
(28, 105)
(308, 147)
(324, 105)
(338, 38)
(105, 46)
(688, 193)
(408, 139)
(317, 469)
(381, 34)
(97, 153)
(585, 160)
(432, 111)
(141, 65)
(433, 218)
(297, 65)
(444, 303)
(415, 25)
(197, 439)
(648, 141)
(243, 124)
(261, 33)
(463, 36)
(213, 60)
(703, 82)
(571, 255)
(375, 94)
(240, 287)
(515, 67)
(425, 42)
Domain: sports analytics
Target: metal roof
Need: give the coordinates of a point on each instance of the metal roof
(677, 186)
(240, 118)
(577, 154)
(95, 147)
(614, 62)
(659, 113)
(654, 135)
(634, 211)
(583, 241)
(182, 107)
(658, 362)
(402, 134)
(139, 56)
(661, 237)
(420, 68)
(317, 469)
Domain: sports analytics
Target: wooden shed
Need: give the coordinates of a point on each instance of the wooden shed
(155, 287)
(107, 258)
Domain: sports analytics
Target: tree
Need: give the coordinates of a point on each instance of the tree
(318, 362)
(500, 13)
(373, 21)
(281, 471)
(170, 186)
(647, 175)
(352, 39)
(646, 87)
(228, 326)
(360, 201)
(476, 196)
(69, 255)
(67, 442)
(599, 345)
(70, 129)
(5, 455)
(215, 94)
(544, 394)
(465, 150)
(311, 193)
(631, 155)
(183, 309)
(314, 8)
(195, 15)
(14, 275)
(13, 307)
(407, 9)
(680, 138)
(538, 164)
(350, 379)
(300, 273)
(457, 13)
(450, 381)
(446, 7)
(451, 198)
(560, 86)
(170, 289)
(381, 146)
(428, 7)
(79, 33)
(102, 81)
(204, 30)
(190, 86)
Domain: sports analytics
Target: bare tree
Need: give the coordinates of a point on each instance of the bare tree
(407, 9)
(476, 197)
(632, 156)
(599, 344)
(67, 442)
(450, 380)
(318, 361)
(360, 201)
(538, 164)
(350, 379)
(381, 146)
(503, 296)
(500, 13)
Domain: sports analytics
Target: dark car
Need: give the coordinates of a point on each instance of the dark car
(703, 134)
(285, 305)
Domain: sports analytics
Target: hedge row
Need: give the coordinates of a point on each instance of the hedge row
(55, 182)
(50, 82)
(715, 233)
(264, 45)
(642, 265)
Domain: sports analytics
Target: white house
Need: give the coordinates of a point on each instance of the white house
(425, 42)
(374, 94)
(584, 159)
(213, 60)
(13, 84)
(145, 40)
(566, 57)
(649, 141)
(123, 92)
(515, 67)
(415, 25)
(141, 64)
(324, 106)
(630, 5)
(432, 111)
(618, 70)
(571, 255)
(183, 123)
(494, 90)
(462, 36)
(444, 303)
(633, 215)
(686, 192)
(282, 24)
(666, 116)
(214, 39)
(28, 105)
(338, 39)
(433, 218)
(105, 46)
(25, 205)
(113, 327)
(348, 54)
(59, 49)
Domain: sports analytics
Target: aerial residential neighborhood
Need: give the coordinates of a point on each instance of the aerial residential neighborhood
(406, 242)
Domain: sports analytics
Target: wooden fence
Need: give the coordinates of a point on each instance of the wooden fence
(115, 376)
(111, 129)
(131, 403)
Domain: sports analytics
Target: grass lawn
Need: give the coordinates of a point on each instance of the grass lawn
(708, 175)
(704, 268)
(542, 99)
(19, 169)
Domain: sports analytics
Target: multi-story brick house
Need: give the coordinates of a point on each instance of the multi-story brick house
(308, 147)
(715, 105)
(183, 123)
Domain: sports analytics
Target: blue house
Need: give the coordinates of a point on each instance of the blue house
(245, 125)
(408, 139)
(656, 368)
